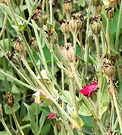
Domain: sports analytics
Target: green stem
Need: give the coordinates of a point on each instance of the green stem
(74, 40)
(37, 118)
(81, 44)
(51, 14)
(47, 10)
(116, 104)
(107, 36)
(16, 121)
(97, 47)
(118, 71)
(5, 126)
(118, 27)
(95, 127)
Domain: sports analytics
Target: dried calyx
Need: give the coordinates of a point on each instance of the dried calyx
(68, 52)
(96, 2)
(110, 12)
(108, 62)
(33, 43)
(9, 99)
(76, 23)
(95, 23)
(19, 46)
(15, 58)
(115, 85)
(67, 6)
(38, 16)
(65, 27)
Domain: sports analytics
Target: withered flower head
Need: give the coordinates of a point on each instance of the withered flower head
(96, 2)
(19, 46)
(51, 35)
(75, 23)
(110, 12)
(33, 44)
(38, 16)
(108, 62)
(68, 52)
(9, 99)
(67, 6)
(65, 27)
(95, 23)
(15, 58)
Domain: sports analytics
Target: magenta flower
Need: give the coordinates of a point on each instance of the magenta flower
(89, 89)
(52, 116)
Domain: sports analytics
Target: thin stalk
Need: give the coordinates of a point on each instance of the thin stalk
(116, 104)
(97, 47)
(47, 10)
(107, 35)
(52, 60)
(5, 126)
(112, 116)
(37, 118)
(43, 6)
(65, 38)
(118, 27)
(21, 6)
(103, 46)
(74, 40)
(95, 127)
(75, 75)
(118, 71)
(51, 14)
(16, 121)
(68, 17)
(81, 44)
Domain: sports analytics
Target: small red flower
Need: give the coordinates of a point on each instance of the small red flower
(52, 116)
(89, 89)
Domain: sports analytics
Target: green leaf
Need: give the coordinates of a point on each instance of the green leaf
(41, 121)
(3, 133)
(46, 129)
(16, 93)
(8, 110)
(84, 111)
(120, 92)
(88, 121)
(31, 118)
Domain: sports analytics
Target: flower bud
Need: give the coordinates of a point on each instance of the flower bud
(110, 12)
(68, 52)
(65, 27)
(96, 2)
(19, 46)
(75, 23)
(96, 24)
(33, 44)
(67, 6)
(9, 99)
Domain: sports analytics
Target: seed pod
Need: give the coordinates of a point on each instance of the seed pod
(75, 23)
(110, 12)
(96, 2)
(67, 6)
(9, 99)
(33, 44)
(19, 46)
(109, 70)
(65, 27)
(68, 52)
(95, 23)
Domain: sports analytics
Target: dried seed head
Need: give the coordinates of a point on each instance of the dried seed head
(33, 44)
(68, 52)
(108, 62)
(38, 16)
(15, 58)
(75, 23)
(96, 24)
(19, 46)
(110, 12)
(67, 6)
(96, 2)
(9, 99)
(65, 27)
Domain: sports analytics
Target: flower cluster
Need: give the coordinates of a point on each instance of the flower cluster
(52, 116)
